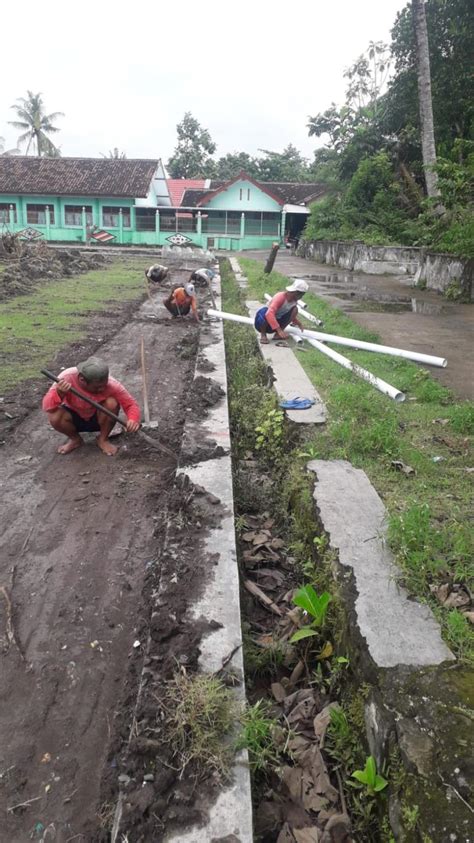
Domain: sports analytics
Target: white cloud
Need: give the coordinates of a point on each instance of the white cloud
(125, 73)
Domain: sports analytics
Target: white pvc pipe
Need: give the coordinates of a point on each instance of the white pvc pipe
(417, 356)
(379, 384)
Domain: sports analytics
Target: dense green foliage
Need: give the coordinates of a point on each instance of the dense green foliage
(372, 161)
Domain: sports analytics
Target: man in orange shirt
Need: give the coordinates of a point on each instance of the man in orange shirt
(71, 415)
(181, 301)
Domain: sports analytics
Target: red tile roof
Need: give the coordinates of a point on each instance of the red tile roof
(177, 188)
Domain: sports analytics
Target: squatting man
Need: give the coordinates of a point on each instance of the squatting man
(280, 312)
(71, 415)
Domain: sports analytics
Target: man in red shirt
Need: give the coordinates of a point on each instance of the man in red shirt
(281, 311)
(71, 415)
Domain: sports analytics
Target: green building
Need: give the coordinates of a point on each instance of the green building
(130, 201)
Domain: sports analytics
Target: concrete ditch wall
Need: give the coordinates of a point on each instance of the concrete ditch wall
(439, 272)
(417, 701)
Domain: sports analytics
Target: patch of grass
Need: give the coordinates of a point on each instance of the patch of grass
(34, 327)
(260, 736)
(262, 661)
(430, 511)
(201, 713)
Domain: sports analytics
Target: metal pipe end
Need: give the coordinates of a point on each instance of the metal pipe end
(400, 397)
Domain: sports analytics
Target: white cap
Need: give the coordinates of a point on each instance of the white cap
(298, 286)
(189, 289)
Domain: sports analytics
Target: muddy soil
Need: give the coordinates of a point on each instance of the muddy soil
(402, 315)
(81, 535)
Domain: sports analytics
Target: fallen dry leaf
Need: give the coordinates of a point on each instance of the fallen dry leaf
(278, 691)
(399, 465)
(296, 673)
(322, 721)
(338, 830)
(326, 652)
(277, 543)
(457, 598)
(306, 835)
(441, 421)
(261, 538)
(469, 616)
(285, 835)
(249, 537)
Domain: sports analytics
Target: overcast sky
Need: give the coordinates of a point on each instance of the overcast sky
(250, 71)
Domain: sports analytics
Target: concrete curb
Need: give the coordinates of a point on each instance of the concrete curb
(231, 815)
(397, 630)
(291, 380)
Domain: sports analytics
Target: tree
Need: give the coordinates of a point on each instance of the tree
(451, 39)
(425, 102)
(114, 153)
(230, 165)
(192, 155)
(288, 165)
(36, 125)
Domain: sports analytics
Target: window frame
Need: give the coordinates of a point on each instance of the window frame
(41, 206)
(89, 215)
(114, 211)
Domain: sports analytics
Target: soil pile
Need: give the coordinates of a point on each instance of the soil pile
(28, 263)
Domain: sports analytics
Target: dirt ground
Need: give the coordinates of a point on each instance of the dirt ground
(403, 316)
(80, 534)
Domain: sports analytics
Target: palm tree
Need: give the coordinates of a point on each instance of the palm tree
(424, 98)
(114, 153)
(36, 125)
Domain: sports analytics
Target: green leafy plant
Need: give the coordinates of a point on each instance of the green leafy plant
(269, 434)
(316, 607)
(369, 777)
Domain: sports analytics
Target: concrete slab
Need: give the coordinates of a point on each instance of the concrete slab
(291, 380)
(398, 630)
(230, 817)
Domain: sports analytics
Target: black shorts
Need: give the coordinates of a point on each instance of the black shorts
(83, 425)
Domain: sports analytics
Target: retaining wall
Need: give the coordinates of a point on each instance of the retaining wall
(439, 272)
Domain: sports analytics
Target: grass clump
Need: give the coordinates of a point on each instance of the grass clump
(261, 736)
(201, 713)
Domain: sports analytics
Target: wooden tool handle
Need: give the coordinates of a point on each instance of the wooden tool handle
(90, 401)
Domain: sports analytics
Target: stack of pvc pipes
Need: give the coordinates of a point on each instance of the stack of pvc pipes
(317, 338)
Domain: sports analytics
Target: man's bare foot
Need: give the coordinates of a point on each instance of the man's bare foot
(264, 340)
(70, 445)
(106, 446)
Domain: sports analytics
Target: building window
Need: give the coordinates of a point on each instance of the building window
(73, 214)
(5, 212)
(36, 214)
(111, 215)
(248, 194)
(241, 192)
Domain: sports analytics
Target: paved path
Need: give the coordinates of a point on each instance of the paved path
(402, 315)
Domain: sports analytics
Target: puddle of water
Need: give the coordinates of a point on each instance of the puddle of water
(343, 286)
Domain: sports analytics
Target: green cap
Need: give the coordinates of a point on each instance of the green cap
(93, 369)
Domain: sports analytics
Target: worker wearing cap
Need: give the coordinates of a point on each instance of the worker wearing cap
(181, 301)
(71, 415)
(157, 273)
(202, 276)
(281, 311)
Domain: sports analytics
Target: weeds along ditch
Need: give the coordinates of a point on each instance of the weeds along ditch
(303, 725)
